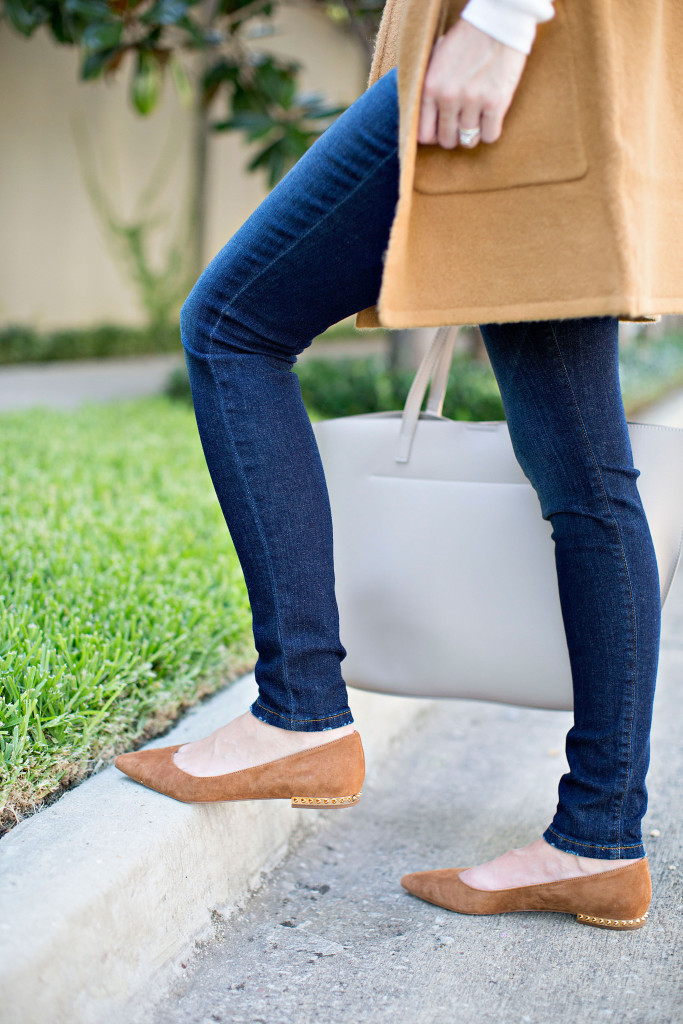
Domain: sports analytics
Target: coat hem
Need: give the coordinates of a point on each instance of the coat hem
(570, 309)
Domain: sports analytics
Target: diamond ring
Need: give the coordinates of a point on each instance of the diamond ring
(468, 135)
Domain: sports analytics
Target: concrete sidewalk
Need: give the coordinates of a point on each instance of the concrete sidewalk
(333, 938)
(67, 384)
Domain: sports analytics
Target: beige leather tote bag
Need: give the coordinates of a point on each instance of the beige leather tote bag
(445, 568)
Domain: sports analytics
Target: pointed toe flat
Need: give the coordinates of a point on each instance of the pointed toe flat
(327, 776)
(617, 899)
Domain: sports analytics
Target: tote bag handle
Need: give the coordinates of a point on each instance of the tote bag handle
(433, 370)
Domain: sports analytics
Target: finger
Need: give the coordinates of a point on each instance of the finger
(470, 120)
(491, 125)
(427, 124)
(449, 116)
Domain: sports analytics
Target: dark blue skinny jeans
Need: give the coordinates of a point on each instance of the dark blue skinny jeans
(310, 255)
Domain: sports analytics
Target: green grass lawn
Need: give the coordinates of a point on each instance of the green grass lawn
(121, 596)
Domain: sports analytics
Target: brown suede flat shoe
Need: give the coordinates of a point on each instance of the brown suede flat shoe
(327, 776)
(610, 899)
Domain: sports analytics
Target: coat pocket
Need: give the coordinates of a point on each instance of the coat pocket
(541, 140)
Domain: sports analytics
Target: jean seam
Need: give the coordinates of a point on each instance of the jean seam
(247, 284)
(628, 580)
(302, 721)
(595, 846)
(259, 524)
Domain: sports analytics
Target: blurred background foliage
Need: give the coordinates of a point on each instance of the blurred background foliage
(25, 344)
(215, 55)
(207, 50)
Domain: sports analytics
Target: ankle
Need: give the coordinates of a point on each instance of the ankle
(302, 737)
(587, 865)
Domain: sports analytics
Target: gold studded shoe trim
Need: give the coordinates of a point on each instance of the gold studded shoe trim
(610, 922)
(322, 802)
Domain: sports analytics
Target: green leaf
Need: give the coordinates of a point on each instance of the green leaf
(325, 112)
(104, 35)
(276, 82)
(272, 159)
(313, 105)
(287, 92)
(25, 18)
(232, 7)
(194, 30)
(94, 63)
(88, 10)
(255, 123)
(166, 12)
(222, 71)
(65, 28)
(147, 83)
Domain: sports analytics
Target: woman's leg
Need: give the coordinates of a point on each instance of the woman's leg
(309, 255)
(559, 382)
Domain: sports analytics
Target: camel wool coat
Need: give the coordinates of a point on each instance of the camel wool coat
(577, 209)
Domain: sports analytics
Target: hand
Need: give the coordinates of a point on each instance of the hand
(470, 81)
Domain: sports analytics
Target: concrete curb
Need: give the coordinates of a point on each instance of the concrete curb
(102, 890)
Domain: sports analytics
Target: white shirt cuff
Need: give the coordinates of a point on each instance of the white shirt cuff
(512, 22)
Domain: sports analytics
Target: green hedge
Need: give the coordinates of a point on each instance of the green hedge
(24, 344)
(347, 387)
(122, 600)
(649, 367)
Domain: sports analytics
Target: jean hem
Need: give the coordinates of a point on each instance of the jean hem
(301, 724)
(606, 852)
